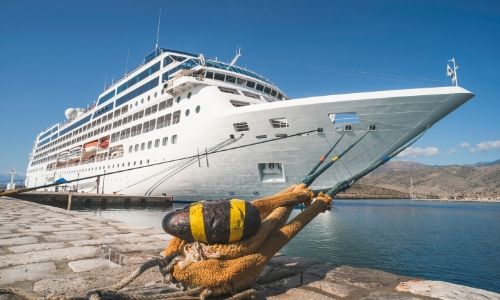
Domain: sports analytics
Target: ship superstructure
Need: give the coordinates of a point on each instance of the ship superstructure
(174, 114)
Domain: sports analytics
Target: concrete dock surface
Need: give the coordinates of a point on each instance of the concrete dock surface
(52, 251)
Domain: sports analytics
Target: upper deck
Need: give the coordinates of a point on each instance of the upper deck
(159, 67)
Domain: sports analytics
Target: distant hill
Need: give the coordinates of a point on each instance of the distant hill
(481, 180)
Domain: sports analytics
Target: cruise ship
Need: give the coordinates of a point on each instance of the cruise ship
(194, 128)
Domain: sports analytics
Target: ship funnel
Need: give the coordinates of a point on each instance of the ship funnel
(236, 57)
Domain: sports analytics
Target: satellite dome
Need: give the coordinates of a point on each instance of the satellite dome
(70, 113)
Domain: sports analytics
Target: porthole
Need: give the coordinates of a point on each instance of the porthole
(197, 109)
(142, 101)
(149, 97)
(187, 112)
(178, 99)
(156, 94)
(189, 95)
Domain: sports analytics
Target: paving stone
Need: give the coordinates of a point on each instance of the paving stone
(15, 235)
(108, 240)
(59, 285)
(389, 295)
(26, 272)
(300, 293)
(39, 228)
(85, 265)
(444, 290)
(71, 253)
(332, 288)
(125, 248)
(19, 241)
(163, 236)
(363, 277)
(69, 237)
(36, 247)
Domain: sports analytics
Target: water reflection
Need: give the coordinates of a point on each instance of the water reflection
(456, 242)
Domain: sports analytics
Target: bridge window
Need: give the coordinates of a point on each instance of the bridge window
(251, 84)
(260, 87)
(219, 76)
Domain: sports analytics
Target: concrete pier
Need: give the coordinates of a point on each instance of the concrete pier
(79, 200)
(51, 250)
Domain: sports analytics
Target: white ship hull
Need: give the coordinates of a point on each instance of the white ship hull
(398, 116)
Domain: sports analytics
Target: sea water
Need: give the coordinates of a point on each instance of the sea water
(437, 240)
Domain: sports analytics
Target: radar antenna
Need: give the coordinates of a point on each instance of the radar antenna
(452, 71)
(236, 57)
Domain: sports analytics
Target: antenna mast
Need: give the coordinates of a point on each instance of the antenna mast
(236, 57)
(158, 31)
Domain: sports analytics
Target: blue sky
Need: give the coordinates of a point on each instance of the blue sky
(57, 54)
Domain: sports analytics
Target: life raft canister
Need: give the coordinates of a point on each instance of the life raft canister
(213, 222)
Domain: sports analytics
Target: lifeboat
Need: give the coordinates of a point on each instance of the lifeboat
(90, 147)
(104, 143)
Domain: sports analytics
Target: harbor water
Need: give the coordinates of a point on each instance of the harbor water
(437, 240)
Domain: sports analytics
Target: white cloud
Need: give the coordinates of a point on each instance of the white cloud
(451, 151)
(488, 145)
(465, 145)
(416, 151)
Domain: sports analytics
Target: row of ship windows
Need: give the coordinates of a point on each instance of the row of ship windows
(150, 110)
(157, 123)
(103, 119)
(117, 152)
(110, 166)
(160, 122)
(142, 146)
(243, 82)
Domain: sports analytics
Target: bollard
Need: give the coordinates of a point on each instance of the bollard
(70, 195)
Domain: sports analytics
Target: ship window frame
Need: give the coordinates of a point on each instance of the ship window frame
(219, 76)
(230, 79)
(241, 126)
(228, 90)
(279, 122)
(342, 118)
(239, 103)
(251, 95)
